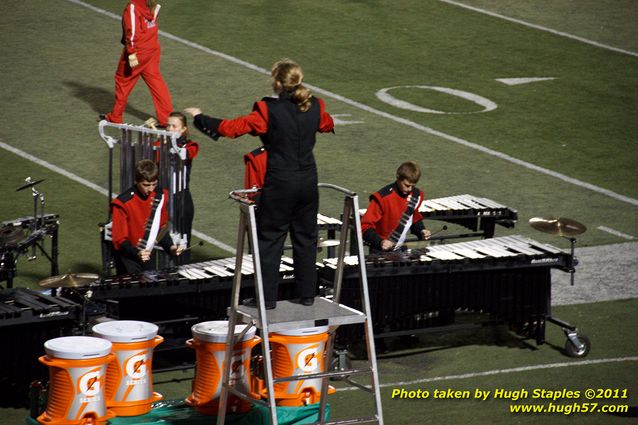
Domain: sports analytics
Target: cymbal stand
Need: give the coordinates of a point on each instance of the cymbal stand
(86, 298)
(37, 222)
(572, 261)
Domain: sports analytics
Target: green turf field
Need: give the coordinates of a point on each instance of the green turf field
(564, 146)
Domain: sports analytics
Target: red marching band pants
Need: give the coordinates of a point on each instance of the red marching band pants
(126, 78)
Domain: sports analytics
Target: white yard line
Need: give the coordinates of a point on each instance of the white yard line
(97, 188)
(501, 372)
(394, 118)
(54, 168)
(615, 232)
(541, 28)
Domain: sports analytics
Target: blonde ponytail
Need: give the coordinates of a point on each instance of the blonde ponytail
(288, 76)
(302, 97)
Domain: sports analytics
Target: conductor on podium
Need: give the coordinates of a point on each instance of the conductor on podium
(289, 201)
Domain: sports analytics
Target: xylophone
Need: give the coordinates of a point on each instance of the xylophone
(213, 275)
(200, 290)
(472, 212)
(478, 214)
(507, 278)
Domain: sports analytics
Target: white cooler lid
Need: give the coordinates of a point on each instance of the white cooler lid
(77, 347)
(317, 330)
(217, 331)
(125, 330)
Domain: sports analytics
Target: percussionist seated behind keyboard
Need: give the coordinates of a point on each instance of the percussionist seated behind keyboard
(138, 215)
(394, 211)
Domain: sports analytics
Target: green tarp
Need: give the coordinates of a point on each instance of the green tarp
(176, 412)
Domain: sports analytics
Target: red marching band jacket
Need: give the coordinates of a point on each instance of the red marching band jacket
(256, 123)
(139, 27)
(130, 213)
(384, 212)
(255, 173)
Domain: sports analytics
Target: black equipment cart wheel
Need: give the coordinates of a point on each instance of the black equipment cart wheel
(578, 345)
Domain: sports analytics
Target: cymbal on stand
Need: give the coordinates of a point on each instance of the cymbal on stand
(561, 226)
(29, 184)
(71, 280)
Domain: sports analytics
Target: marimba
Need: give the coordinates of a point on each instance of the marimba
(198, 290)
(507, 278)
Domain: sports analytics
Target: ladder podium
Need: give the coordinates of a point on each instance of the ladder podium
(292, 316)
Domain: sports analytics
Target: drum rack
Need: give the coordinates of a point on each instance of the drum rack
(288, 316)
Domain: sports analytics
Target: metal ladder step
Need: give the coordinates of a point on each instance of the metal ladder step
(290, 316)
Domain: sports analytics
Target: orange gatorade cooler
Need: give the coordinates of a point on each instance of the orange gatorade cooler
(129, 379)
(77, 370)
(209, 342)
(295, 353)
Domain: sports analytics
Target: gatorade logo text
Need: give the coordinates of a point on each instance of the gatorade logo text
(308, 359)
(90, 383)
(236, 368)
(136, 366)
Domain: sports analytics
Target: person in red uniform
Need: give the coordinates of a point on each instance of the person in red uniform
(140, 58)
(255, 163)
(394, 211)
(184, 200)
(185, 208)
(289, 200)
(255, 172)
(138, 215)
